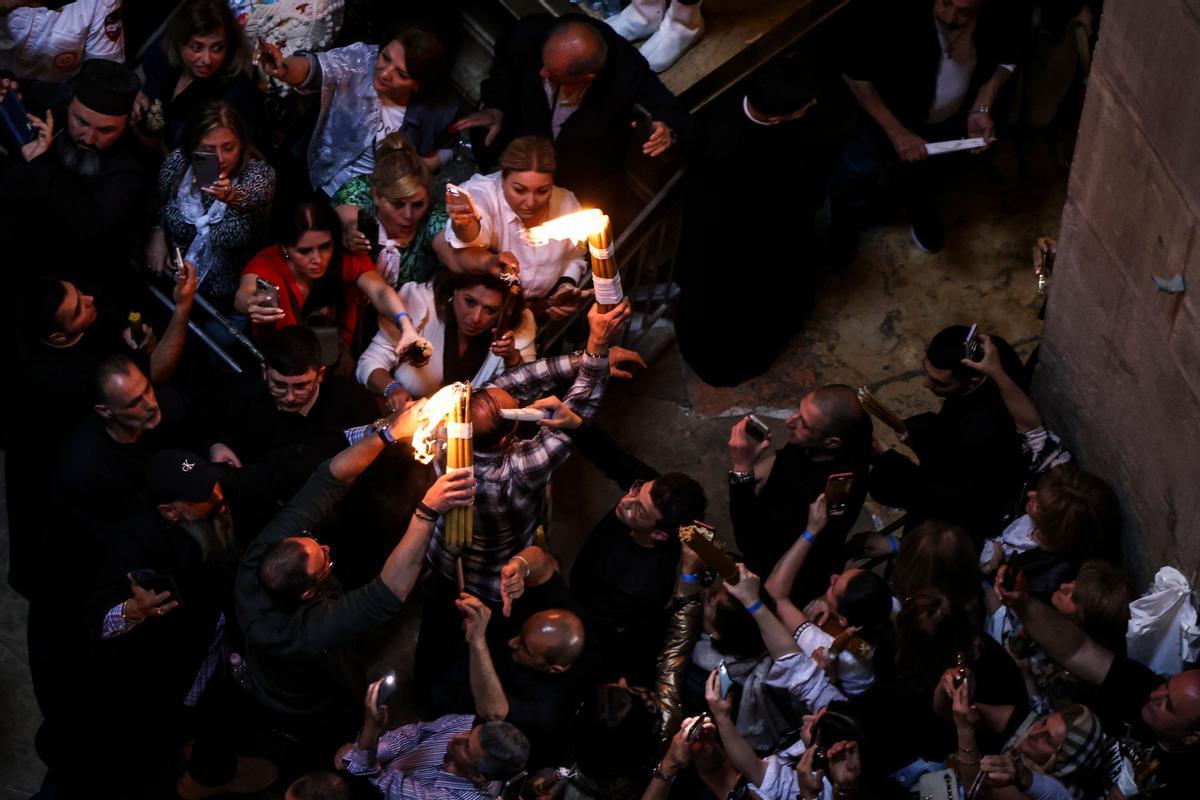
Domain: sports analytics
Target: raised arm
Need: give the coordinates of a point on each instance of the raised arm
(165, 357)
(737, 748)
(490, 701)
(783, 577)
(1020, 406)
(403, 565)
(1063, 640)
(388, 303)
(292, 70)
(776, 637)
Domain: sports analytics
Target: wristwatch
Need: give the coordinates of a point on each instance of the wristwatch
(736, 477)
(383, 430)
(662, 776)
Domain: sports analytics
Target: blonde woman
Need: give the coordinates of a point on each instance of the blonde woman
(399, 216)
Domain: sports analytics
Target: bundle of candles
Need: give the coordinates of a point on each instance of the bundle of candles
(702, 539)
(593, 225)
(460, 454)
(879, 411)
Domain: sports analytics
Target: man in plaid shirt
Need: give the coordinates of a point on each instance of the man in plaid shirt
(511, 474)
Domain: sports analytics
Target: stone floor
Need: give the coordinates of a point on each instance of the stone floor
(869, 326)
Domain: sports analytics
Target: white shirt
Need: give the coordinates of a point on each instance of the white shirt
(562, 105)
(51, 45)
(424, 381)
(954, 72)
(391, 118)
(500, 230)
(779, 780)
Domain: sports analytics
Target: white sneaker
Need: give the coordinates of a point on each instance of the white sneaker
(638, 20)
(681, 28)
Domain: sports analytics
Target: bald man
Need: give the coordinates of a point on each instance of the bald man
(769, 493)
(529, 668)
(576, 81)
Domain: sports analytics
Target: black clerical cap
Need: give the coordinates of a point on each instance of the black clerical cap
(106, 87)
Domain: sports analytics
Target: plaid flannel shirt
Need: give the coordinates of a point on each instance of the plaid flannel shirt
(511, 485)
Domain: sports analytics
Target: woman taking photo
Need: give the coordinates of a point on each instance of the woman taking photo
(204, 57)
(401, 218)
(220, 225)
(368, 92)
(475, 322)
(491, 215)
(310, 280)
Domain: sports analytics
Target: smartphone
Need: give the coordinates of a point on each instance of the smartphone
(152, 581)
(643, 122)
(267, 292)
(820, 759)
(386, 689)
(724, 679)
(697, 728)
(17, 128)
(756, 429)
(972, 347)
(1010, 578)
(206, 167)
(368, 226)
(837, 492)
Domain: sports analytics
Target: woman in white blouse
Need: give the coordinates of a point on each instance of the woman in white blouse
(490, 215)
(458, 314)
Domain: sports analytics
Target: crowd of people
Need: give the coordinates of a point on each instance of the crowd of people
(239, 269)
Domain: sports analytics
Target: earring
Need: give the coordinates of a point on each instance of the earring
(283, 250)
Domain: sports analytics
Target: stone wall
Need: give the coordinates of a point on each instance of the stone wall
(1120, 367)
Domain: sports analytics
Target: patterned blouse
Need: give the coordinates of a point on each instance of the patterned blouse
(417, 260)
(237, 236)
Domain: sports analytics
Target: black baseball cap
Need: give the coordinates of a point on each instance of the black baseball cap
(181, 475)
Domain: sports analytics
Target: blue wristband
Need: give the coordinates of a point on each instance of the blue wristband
(811, 539)
(895, 543)
(688, 577)
(754, 607)
(391, 387)
(400, 314)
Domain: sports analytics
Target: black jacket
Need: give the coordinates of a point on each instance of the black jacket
(592, 144)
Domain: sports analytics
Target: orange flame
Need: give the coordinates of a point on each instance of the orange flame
(432, 415)
(574, 227)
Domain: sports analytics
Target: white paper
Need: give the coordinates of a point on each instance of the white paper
(608, 290)
(954, 145)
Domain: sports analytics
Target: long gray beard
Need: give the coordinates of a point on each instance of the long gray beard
(79, 160)
(215, 536)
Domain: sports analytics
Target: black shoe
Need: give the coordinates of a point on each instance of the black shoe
(929, 235)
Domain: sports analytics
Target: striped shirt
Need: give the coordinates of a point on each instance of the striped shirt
(408, 762)
(510, 493)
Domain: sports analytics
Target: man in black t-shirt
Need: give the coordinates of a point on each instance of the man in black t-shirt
(1162, 714)
(529, 669)
(971, 463)
(625, 572)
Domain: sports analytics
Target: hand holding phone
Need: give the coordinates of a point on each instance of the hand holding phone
(206, 167)
(643, 122)
(837, 492)
(972, 347)
(271, 58)
(725, 680)
(756, 429)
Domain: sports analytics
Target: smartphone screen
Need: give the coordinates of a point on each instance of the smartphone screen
(206, 167)
(837, 492)
(17, 128)
(643, 122)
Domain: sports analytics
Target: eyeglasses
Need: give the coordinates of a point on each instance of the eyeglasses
(279, 388)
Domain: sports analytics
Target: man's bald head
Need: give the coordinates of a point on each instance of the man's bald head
(550, 641)
(829, 417)
(1173, 710)
(573, 50)
(838, 403)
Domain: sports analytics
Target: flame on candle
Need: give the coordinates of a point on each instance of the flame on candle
(431, 416)
(573, 227)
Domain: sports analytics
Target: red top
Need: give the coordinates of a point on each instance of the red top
(269, 263)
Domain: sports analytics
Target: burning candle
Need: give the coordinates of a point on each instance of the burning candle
(593, 225)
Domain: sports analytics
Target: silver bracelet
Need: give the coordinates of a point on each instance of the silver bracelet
(981, 110)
